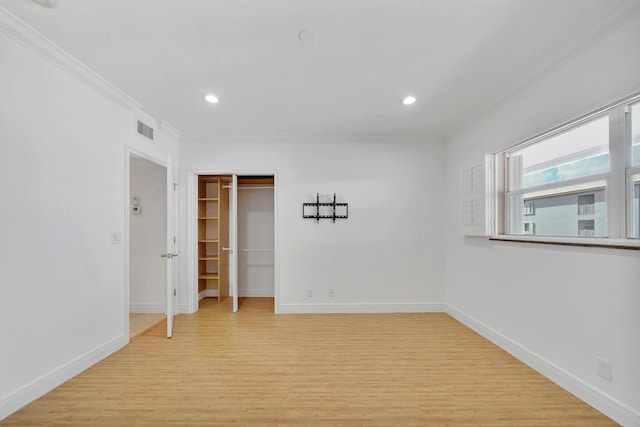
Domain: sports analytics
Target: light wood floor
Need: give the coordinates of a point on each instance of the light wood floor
(139, 323)
(260, 369)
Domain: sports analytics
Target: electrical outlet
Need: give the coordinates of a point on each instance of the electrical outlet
(332, 292)
(309, 293)
(604, 369)
(116, 238)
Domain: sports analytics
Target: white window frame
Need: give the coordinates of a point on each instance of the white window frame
(631, 171)
(618, 183)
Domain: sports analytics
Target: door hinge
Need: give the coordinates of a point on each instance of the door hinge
(174, 292)
(175, 185)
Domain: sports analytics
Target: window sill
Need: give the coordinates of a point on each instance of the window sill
(633, 244)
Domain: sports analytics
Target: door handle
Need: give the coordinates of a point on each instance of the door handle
(228, 250)
(169, 255)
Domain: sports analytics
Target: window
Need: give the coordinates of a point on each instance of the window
(529, 207)
(586, 227)
(586, 204)
(570, 182)
(553, 172)
(529, 228)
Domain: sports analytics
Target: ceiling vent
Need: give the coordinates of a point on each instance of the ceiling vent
(145, 130)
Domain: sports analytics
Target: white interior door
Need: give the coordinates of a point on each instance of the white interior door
(233, 241)
(171, 253)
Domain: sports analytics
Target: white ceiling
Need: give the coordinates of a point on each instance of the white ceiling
(458, 57)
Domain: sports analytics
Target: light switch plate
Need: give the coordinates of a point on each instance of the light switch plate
(116, 238)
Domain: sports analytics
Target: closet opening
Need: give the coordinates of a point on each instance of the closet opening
(236, 238)
(256, 248)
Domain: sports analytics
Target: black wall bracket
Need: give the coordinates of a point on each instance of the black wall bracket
(331, 210)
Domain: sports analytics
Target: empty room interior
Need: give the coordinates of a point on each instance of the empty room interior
(339, 212)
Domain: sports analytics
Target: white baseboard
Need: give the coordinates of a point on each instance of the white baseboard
(147, 308)
(586, 392)
(361, 308)
(255, 293)
(52, 379)
(244, 293)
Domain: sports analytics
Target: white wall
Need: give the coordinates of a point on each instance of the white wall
(256, 231)
(148, 237)
(560, 307)
(387, 256)
(62, 168)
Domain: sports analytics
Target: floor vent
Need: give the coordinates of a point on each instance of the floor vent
(144, 130)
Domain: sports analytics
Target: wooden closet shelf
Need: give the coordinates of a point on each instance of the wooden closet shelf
(208, 258)
(207, 217)
(208, 199)
(208, 276)
(208, 241)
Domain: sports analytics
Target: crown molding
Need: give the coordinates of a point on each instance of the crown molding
(169, 130)
(24, 34)
(321, 138)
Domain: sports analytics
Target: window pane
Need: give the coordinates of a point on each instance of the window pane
(576, 153)
(635, 133)
(564, 213)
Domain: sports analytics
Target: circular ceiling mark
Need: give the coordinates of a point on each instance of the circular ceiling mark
(308, 37)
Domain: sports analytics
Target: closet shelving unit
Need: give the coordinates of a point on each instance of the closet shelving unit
(209, 233)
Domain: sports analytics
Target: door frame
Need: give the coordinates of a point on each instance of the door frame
(192, 230)
(132, 152)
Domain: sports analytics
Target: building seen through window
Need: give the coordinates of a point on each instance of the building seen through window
(579, 215)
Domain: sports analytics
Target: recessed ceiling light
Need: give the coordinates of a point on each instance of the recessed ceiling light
(408, 100)
(49, 4)
(211, 98)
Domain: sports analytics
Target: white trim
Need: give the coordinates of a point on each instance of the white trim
(569, 186)
(15, 400)
(148, 308)
(631, 220)
(613, 408)
(362, 308)
(193, 297)
(24, 34)
(616, 188)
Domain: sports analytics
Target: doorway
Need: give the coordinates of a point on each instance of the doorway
(235, 245)
(147, 218)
